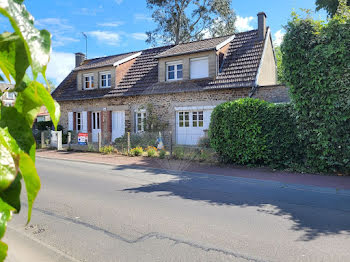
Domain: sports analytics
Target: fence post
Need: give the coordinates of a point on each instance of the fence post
(99, 141)
(59, 140)
(42, 139)
(128, 142)
(171, 143)
(69, 139)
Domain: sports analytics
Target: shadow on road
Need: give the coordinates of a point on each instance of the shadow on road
(316, 213)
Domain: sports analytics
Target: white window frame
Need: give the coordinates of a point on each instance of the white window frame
(143, 119)
(175, 64)
(91, 81)
(79, 116)
(198, 59)
(106, 73)
(11, 95)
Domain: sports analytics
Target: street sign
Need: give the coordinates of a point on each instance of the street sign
(83, 138)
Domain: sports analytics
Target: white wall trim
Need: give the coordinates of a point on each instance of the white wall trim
(267, 38)
(126, 59)
(191, 108)
(228, 40)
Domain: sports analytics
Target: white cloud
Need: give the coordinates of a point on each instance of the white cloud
(88, 11)
(278, 37)
(57, 23)
(118, 1)
(139, 36)
(109, 38)
(244, 23)
(142, 17)
(111, 24)
(60, 65)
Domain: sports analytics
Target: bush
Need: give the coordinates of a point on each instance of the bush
(136, 140)
(137, 151)
(162, 154)
(107, 149)
(179, 152)
(44, 125)
(151, 151)
(204, 142)
(252, 131)
(316, 59)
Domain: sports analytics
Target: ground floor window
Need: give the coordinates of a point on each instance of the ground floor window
(140, 121)
(79, 121)
(190, 119)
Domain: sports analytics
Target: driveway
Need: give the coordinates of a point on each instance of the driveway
(97, 212)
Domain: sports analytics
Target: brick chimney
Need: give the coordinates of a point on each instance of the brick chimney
(261, 25)
(79, 59)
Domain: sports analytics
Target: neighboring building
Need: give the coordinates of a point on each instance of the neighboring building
(8, 98)
(183, 82)
(43, 115)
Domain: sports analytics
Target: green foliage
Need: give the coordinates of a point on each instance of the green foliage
(204, 142)
(252, 131)
(144, 139)
(44, 125)
(179, 152)
(162, 154)
(280, 72)
(20, 50)
(316, 59)
(137, 151)
(152, 122)
(330, 6)
(186, 20)
(151, 151)
(107, 150)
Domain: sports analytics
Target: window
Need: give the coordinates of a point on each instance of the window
(79, 124)
(10, 95)
(105, 79)
(95, 120)
(140, 121)
(174, 71)
(199, 67)
(184, 119)
(197, 119)
(88, 81)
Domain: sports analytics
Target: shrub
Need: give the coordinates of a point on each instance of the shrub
(162, 154)
(43, 125)
(151, 151)
(137, 151)
(204, 142)
(136, 140)
(252, 131)
(107, 149)
(316, 59)
(179, 152)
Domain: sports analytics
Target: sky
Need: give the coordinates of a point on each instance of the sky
(118, 26)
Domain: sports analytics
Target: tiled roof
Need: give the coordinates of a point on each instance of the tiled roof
(102, 61)
(239, 70)
(194, 47)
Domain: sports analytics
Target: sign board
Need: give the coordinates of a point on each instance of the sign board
(83, 138)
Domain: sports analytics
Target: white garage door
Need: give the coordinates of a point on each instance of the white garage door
(118, 124)
(190, 125)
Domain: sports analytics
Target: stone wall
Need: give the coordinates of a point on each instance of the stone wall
(164, 104)
(96, 72)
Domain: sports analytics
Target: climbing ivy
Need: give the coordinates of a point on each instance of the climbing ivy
(26, 49)
(316, 63)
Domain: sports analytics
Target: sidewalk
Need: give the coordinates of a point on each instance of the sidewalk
(337, 182)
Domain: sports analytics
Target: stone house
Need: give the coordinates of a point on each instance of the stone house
(183, 83)
(7, 98)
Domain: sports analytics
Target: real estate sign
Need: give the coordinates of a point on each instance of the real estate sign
(83, 138)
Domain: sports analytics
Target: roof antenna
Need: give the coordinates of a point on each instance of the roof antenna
(85, 43)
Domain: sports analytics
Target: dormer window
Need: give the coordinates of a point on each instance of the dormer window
(174, 71)
(199, 67)
(105, 79)
(89, 81)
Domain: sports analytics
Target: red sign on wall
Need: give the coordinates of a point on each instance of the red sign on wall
(83, 138)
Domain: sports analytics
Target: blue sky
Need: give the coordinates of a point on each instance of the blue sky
(118, 26)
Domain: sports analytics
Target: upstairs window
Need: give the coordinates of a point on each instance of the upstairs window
(88, 81)
(105, 79)
(10, 95)
(199, 67)
(174, 71)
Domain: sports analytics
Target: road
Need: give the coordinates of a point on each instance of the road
(93, 212)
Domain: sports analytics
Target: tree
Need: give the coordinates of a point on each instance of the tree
(316, 59)
(330, 6)
(26, 47)
(280, 73)
(180, 21)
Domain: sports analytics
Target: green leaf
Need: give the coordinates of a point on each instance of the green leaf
(5, 216)
(14, 60)
(37, 43)
(12, 194)
(7, 167)
(32, 98)
(1, 78)
(31, 180)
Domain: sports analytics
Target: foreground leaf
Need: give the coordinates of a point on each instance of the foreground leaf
(5, 216)
(31, 180)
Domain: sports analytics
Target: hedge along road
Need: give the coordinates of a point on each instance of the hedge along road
(94, 212)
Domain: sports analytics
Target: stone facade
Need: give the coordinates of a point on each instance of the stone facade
(164, 105)
(96, 72)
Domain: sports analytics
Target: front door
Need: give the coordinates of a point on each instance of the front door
(118, 124)
(96, 125)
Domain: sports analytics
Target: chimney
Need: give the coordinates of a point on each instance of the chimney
(79, 59)
(261, 25)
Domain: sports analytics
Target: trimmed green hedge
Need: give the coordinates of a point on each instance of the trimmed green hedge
(254, 132)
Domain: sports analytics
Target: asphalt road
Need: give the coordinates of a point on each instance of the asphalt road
(91, 212)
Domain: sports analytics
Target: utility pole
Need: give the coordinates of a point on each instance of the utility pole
(85, 44)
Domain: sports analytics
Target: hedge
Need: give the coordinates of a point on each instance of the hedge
(254, 132)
